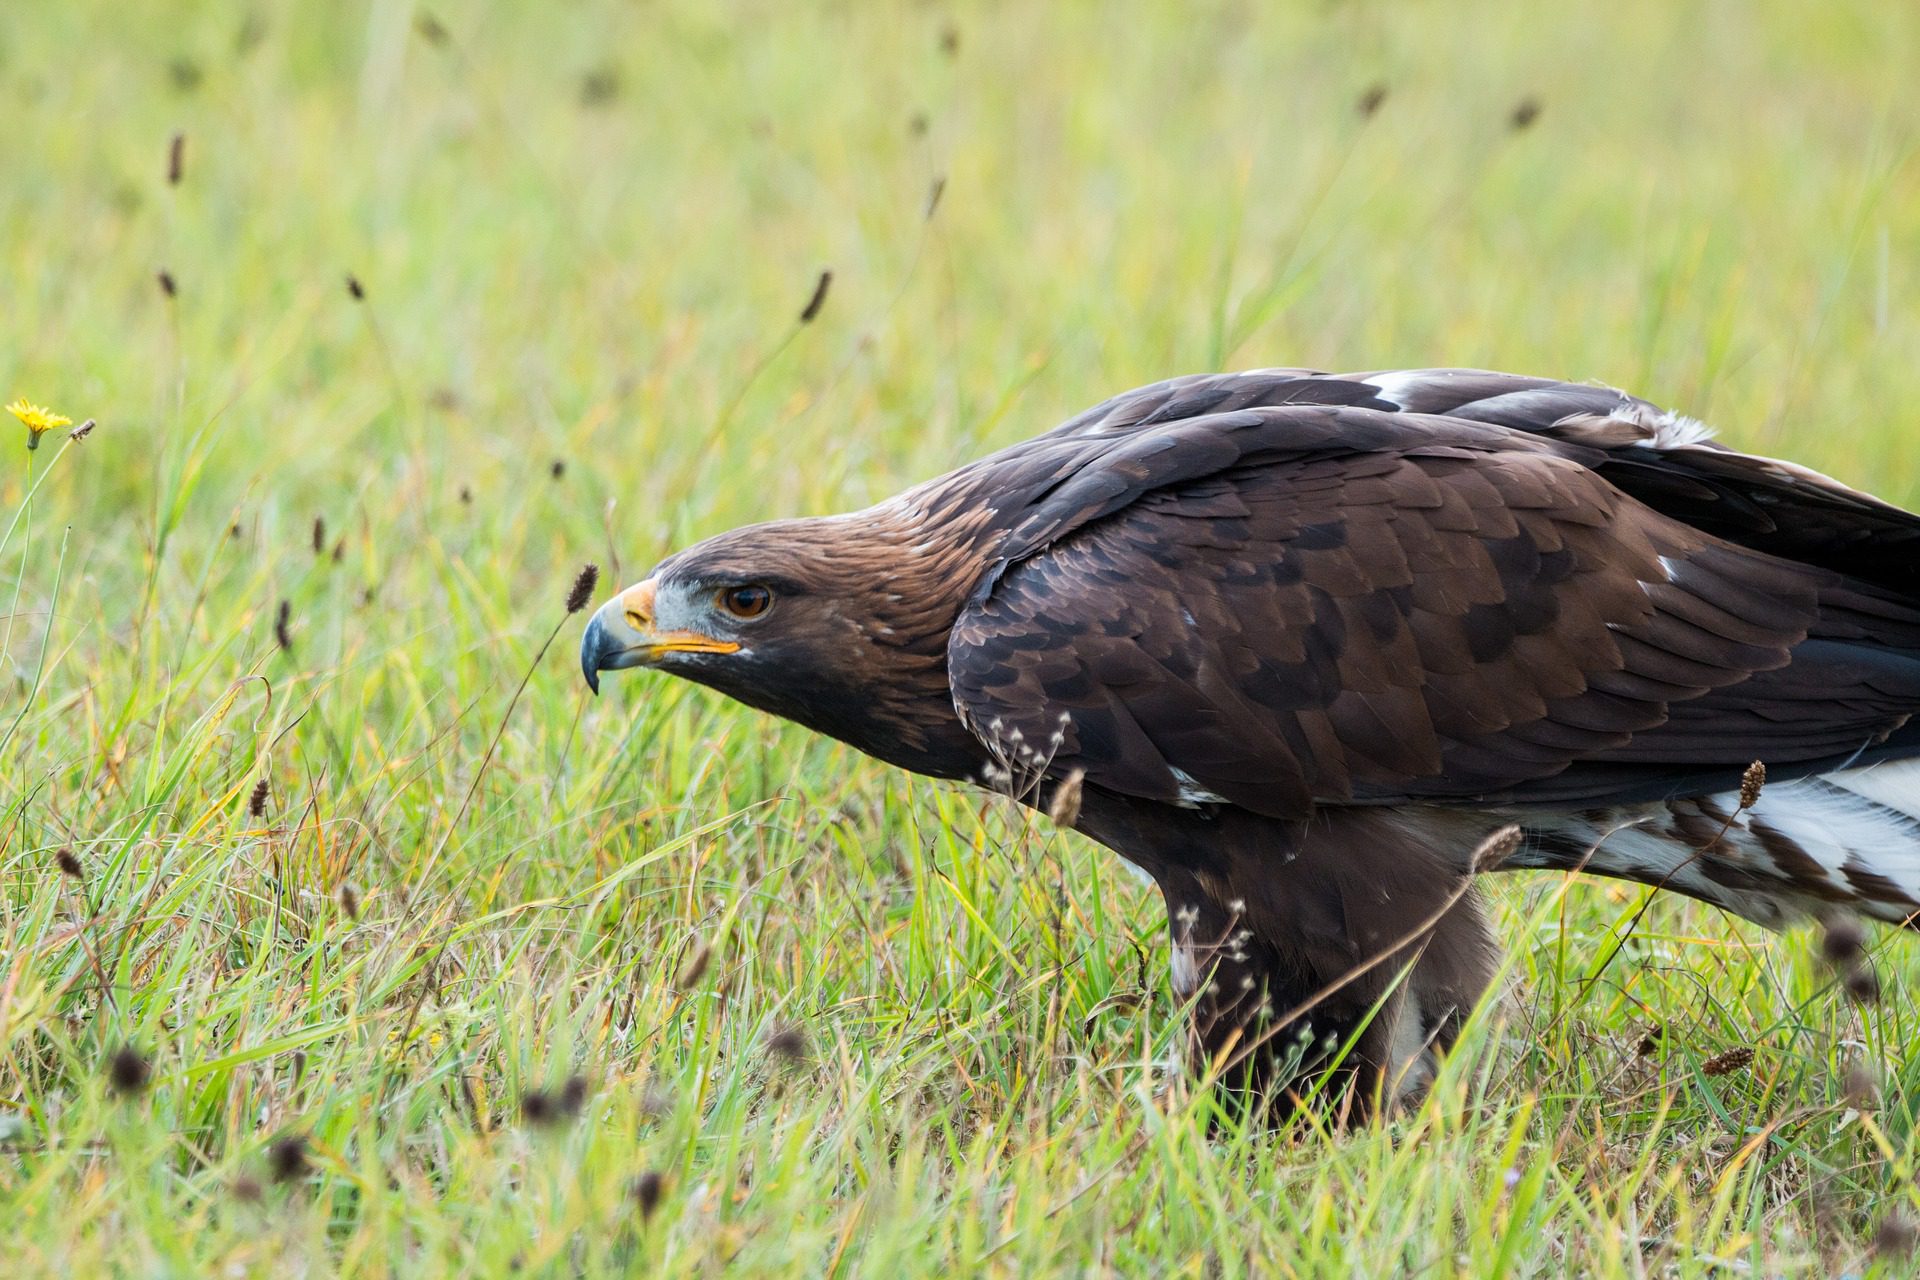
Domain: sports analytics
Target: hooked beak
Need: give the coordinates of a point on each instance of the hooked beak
(622, 634)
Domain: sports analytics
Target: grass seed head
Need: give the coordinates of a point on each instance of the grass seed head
(543, 1110)
(349, 901)
(1724, 1064)
(1650, 1042)
(1371, 100)
(129, 1071)
(1495, 849)
(319, 534)
(355, 289)
(429, 28)
(69, 863)
(1862, 984)
(600, 87)
(695, 967)
(168, 285)
(176, 159)
(818, 298)
(1860, 1087)
(247, 1189)
(646, 1191)
(788, 1043)
(1843, 940)
(1064, 810)
(287, 1158)
(582, 589)
(282, 631)
(1750, 783)
(1525, 112)
(1896, 1236)
(257, 802)
(557, 468)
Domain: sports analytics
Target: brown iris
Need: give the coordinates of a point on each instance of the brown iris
(746, 602)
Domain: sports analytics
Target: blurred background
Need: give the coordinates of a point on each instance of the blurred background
(390, 315)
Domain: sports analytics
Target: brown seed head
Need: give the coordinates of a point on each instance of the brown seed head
(695, 967)
(282, 632)
(1650, 1042)
(128, 1071)
(349, 901)
(1064, 810)
(287, 1158)
(355, 289)
(538, 1108)
(319, 534)
(69, 863)
(557, 468)
(1860, 1087)
(646, 1192)
(818, 299)
(938, 189)
(1895, 1236)
(1862, 984)
(573, 1095)
(1371, 100)
(429, 28)
(788, 1042)
(1721, 1064)
(247, 1189)
(582, 589)
(176, 159)
(1495, 849)
(167, 285)
(257, 802)
(1843, 940)
(1750, 783)
(1525, 112)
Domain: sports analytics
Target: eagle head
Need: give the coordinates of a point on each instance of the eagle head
(836, 623)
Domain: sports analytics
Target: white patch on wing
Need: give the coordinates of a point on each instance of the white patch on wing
(1634, 422)
(1664, 429)
(1393, 387)
(1192, 794)
(1867, 819)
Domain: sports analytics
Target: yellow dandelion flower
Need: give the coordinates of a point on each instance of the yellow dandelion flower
(37, 419)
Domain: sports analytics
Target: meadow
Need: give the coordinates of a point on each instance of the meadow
(343, 932)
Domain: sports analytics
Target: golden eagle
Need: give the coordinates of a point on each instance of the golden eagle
(1296, 643)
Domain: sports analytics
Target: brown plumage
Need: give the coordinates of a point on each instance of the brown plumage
(1301, 642)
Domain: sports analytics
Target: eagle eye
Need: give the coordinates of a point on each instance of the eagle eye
(746, 602)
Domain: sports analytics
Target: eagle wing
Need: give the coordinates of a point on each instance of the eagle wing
(1282, 606)
(1664, 459)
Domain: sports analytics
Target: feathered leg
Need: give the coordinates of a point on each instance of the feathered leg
(1292, 940)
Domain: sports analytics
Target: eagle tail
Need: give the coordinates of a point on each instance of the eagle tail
(1846, 841)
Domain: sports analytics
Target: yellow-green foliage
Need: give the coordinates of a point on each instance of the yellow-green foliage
(927, 1040)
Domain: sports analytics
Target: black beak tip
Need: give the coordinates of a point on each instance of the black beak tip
(590, 655)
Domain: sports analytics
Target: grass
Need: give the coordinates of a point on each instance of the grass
(785, 1010)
